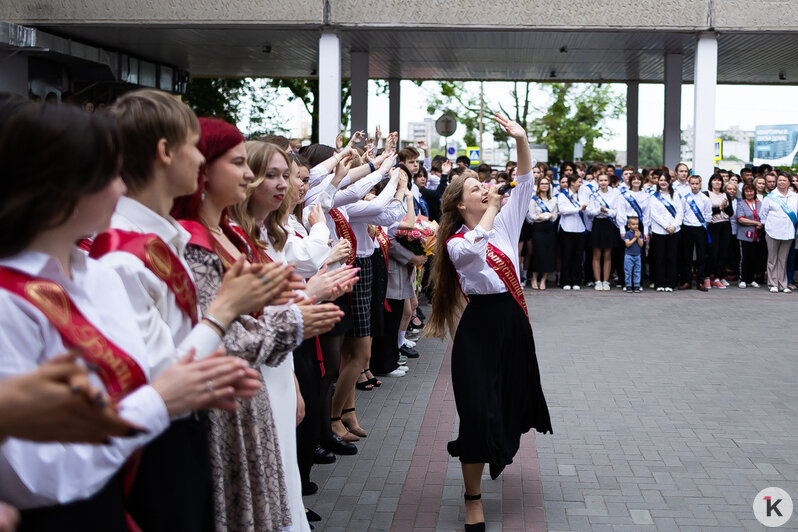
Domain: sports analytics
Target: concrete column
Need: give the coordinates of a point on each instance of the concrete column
(329, 87)
(672, 132)
(360, 90)
(706, 80)
(14, 74)
(394, 95)
(632, 139)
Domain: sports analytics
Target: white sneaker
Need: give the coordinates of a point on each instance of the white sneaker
(754, 284)
(606, 285)
(577, 287)
(660, 289)
(651, 285)
(741, 284)
(668, 289)
(395, 373)
(774, 290)
(590, 284)
(410, 343)
(598, 286)
(725, 282)
(566, 287)
(787, 291)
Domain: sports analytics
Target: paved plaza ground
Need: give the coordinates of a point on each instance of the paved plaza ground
(670, 412)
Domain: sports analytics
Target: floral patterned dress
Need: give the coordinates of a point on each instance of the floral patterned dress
(249, 488)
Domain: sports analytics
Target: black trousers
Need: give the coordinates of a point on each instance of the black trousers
(694, 238)
(749, 260)
(587, 262)
(718, 249)
(573, 246)
(308, 375)
(173, 490)
(664, 249)
(384, 349)
(103, 512)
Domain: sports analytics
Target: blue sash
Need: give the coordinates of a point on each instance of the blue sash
(668, 205)
(541, 204)
(633, 202)
(606, 205)
(694, 207)
(575, 203)
(783, 204)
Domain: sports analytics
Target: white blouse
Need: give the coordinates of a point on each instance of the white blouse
(777, 224)
(571, 221)
(468, 254)
(661, 218)
(615, 212)
(308, 251)
(536, 214)
(165, 328)
(642, 197)
(704, 205)
(382, 210)
(43, 474)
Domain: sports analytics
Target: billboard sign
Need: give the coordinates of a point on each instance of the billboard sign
(776, 145)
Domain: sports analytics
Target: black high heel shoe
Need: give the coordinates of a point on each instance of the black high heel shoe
(476, 527)
(366, 385)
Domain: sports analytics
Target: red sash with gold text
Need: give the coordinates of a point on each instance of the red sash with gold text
(505, 269)
(157, 257)
(119, 372)
(344, 230)
(385, 244)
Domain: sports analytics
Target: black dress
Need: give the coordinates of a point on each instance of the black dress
(544, 247)
(496, 382)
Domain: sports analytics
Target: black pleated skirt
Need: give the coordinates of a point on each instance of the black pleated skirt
(496, 382)
(605, 234)
(544, 247)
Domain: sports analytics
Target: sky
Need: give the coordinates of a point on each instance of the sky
(741, 106)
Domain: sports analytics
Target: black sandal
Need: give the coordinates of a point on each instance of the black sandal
(476, 527)
(365, 384)
(362, 433)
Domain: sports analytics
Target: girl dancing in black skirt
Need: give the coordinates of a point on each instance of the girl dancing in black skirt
(494, 369)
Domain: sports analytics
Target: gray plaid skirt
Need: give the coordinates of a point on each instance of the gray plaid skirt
(361, 299)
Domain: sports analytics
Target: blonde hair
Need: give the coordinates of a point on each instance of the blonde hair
(259, 155)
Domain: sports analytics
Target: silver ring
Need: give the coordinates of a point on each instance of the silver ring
(209, 386)
(264, 279)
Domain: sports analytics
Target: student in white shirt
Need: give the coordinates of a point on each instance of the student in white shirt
(57, 169)
(494, 370)
(779, 211)
(573, 228)
(603, 207)
(543, 215)
(695, 232)
(667, 213)
(161, 161)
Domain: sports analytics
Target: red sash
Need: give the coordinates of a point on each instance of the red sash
(344, 230)
(505, 269)
(118, 371)
(385, 244)
(202, 237)
(157, 257)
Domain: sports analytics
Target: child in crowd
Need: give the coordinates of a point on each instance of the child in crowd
(632, 261)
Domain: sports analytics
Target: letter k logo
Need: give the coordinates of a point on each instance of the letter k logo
(772, 506)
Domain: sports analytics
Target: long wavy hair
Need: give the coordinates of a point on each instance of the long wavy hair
(447, 300)
(259, 155)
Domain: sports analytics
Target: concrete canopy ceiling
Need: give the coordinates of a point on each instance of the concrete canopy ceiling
(450, 53)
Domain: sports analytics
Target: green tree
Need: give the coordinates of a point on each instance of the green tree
(577, 112)
(307, 92)
(461, 101)
(650, 151)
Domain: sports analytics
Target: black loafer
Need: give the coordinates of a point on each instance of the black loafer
(338, 446)
(310, 488)
(323, 456)
(409, 352)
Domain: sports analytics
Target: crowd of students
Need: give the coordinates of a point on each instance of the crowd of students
(223, 299)
(596, 226)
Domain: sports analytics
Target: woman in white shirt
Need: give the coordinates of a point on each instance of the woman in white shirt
(608, 218)
(543, 217)
(779, 211)
(494, 370)
(667, 213)
(59, 181)
(573, 228)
